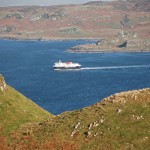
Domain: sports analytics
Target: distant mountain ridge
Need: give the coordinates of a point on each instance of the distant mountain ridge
(95, 3)
(89, 20)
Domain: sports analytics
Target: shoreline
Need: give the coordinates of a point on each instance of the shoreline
(70, 50)
(48, 39)
(113, 51)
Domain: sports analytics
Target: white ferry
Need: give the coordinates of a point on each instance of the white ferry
(66, 65)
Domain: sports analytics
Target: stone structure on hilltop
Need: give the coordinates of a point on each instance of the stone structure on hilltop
(3, 85)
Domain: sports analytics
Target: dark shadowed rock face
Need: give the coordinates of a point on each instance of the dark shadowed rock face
(124, 44)
(3, 85)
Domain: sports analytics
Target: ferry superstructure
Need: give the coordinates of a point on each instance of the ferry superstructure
(66, 65)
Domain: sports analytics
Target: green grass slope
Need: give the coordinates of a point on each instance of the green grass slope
(121, 121)
(16, 109)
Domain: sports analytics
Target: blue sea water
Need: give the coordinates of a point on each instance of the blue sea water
(27, 66)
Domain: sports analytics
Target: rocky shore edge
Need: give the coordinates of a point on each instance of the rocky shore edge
(114, 45)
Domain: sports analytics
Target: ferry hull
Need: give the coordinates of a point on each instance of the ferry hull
(77, 67)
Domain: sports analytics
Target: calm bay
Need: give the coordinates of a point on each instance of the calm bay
(28, 67)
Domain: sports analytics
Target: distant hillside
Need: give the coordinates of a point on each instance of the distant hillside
(143, 5)
(16, 109)
(95, 19)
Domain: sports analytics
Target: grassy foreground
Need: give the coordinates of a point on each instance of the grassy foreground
(16, 109)
(121, 121)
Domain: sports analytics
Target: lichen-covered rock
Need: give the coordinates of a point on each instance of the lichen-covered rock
(3, 85)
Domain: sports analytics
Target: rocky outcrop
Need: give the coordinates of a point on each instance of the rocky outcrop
(3, 85)
(142, 5)
(117, 44)
(124, 96)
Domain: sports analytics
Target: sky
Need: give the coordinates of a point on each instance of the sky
(4, 3)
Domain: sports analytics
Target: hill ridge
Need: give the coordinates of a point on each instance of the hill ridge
(120, 120)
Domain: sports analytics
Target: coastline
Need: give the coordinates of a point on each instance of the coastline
(112, 51)
(118, 44)
(87, 48)
(44, 39)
